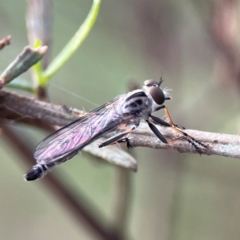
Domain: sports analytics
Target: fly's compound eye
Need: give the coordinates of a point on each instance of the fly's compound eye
(157, 95)
(151, 83)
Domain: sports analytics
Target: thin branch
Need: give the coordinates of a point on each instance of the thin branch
(218, 144)
(35, 109)
(226, 145)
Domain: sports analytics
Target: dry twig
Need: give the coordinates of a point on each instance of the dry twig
(50, 114)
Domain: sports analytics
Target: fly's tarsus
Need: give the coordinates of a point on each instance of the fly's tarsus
(176, 128)
(180, 127)
(198, 145)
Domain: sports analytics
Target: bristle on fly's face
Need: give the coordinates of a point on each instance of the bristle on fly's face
(167, 94)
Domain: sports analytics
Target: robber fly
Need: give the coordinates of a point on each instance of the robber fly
(122, 115)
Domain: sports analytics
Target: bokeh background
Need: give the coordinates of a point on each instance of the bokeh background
(195, 46)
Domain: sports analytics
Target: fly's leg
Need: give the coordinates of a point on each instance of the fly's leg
(156, 132)
(191, 140)
(159, 121)
(162, 122)
(119, 138)
(178, 129)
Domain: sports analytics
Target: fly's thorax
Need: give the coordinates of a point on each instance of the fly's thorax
(134, 103)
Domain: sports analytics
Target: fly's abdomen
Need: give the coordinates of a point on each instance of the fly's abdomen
(40, 169)
(35, 172)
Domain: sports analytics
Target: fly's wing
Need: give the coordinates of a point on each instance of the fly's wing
(68, 140)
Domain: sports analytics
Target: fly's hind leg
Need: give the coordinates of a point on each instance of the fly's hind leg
(189, 138)
(121, 137)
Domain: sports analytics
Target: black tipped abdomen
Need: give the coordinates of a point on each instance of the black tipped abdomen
(35, 172)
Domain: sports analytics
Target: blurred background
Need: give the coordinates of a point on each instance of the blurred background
(195, 46)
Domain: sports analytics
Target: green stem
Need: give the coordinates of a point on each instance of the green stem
(21, 84)
(72, 45)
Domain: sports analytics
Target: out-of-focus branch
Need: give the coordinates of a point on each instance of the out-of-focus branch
(224, 32)
(39, 25)
(39, 29)
(74, 203)
(5, 41)
(218, 144)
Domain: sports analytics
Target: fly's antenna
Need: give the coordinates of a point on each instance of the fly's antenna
(160, 81)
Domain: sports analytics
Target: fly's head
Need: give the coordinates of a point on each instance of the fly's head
(153, 90)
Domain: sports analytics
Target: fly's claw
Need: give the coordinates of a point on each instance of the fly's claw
(180, 127)
(198, 145)
(128, 144)
(127, 141)
(203, 147)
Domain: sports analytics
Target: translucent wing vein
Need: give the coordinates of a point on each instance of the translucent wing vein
(68, 140)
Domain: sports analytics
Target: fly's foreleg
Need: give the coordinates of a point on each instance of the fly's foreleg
(121, 137)
(159, 121)
(178, 129)
(162, 122)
